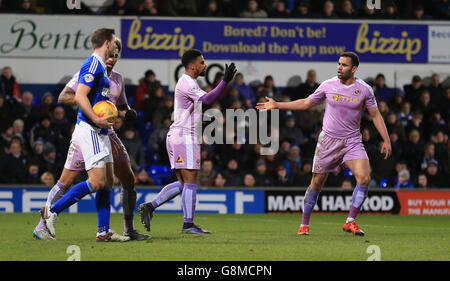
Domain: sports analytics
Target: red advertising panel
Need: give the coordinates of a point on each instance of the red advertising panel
(424, 203)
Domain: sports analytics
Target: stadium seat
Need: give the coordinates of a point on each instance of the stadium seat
(160, 174)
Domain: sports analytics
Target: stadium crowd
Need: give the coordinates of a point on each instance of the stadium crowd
(325, 9)
(34, 139)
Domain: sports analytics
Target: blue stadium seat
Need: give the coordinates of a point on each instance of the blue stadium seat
(160, 174)
(383, 182)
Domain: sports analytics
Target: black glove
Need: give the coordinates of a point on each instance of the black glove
(230, 71)
(131, 116)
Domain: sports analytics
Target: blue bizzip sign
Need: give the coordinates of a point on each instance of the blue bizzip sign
(25, 200)
(277, 41)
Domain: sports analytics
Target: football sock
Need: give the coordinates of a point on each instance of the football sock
(358, 197)
(54, 195)
(102, 202)
(167, 194)
(188, 201)
(309, 202)
(128, 199)
(71, 197)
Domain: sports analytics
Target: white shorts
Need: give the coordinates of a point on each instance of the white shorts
(95, 147)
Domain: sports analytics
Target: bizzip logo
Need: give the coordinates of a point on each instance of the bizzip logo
(73, 4)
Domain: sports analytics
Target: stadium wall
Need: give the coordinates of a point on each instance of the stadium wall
(398, 49)
(20, 199)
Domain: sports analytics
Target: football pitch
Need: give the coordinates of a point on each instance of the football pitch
(268, 237)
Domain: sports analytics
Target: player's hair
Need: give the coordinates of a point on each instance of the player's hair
(189, 56)
(101, 35)
(353, 56)
(118, 43)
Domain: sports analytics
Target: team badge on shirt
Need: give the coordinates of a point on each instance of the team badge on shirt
(180, 160)
(356, 92)
(88, 78)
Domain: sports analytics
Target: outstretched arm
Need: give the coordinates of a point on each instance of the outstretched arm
(378, 121)
(210, 97)
(300, 104)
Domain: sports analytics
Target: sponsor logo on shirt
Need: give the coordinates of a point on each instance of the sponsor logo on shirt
(180, 160)
(339, 98)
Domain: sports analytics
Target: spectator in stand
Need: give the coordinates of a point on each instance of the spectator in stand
(436, 90)
(399, 166)
(220, 180)
(27, 111)
(33, 174)
(413, 151)
(347, 185)
(416, 123)
(308, 87)
(393, 125)
(425, 106)
(441, 9)
(163, 110)
(143, 178)
(148, 8)
(180, 8)
(13, 166)
(328, 10)
(405, 114)
(253, 10)
(134, 148)
(403, 180)
(51, 162)
(269, 87)
(25, 7)
(382, 92)
(390, 11)
(263, 178)
(440, 143)
(157, 140)
(435, 177)
(47, 104)
(413, 90)
(293, 161)
(418, 13)
(231, 8)
(207, 173)
(212, 10)
(8, 84)
(301, 10)
(370, 143)
(153, 102)
(233, 173)
(245, 91)
(291, 132)
(60, 121)
(280, 10)
(4, 111)
(4, 7)
(428, 155)
(383, 108)
(396, 102)
(144, 89)
(281, 177)
(346, 10)
(422, 181)
(249, 180)
(48, 179)
(303, 178)
(18, 126)
(365, 12)
(45, 131)
(444, 105)
(119, 8)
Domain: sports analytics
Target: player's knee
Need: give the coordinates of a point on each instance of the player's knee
(97, 183)
(363, 180)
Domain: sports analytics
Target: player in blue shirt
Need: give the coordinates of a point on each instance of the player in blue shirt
(90, 134)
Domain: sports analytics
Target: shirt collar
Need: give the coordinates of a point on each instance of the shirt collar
(100, 60)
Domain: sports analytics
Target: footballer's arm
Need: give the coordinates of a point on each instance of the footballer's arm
(300, 104)
(83, 102)
(67, 96)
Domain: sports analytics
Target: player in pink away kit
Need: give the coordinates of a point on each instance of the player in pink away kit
(122, 168)
(183, 140)
(340, 142)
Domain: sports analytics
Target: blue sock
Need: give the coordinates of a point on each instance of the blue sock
(71, 197)
(102, 202)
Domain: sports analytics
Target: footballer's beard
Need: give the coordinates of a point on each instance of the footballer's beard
(203, 73)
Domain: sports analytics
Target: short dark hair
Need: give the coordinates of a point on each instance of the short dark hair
(189, 56)
(101, 35)
(353, 56)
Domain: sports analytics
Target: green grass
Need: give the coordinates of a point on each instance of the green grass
(267, 237)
